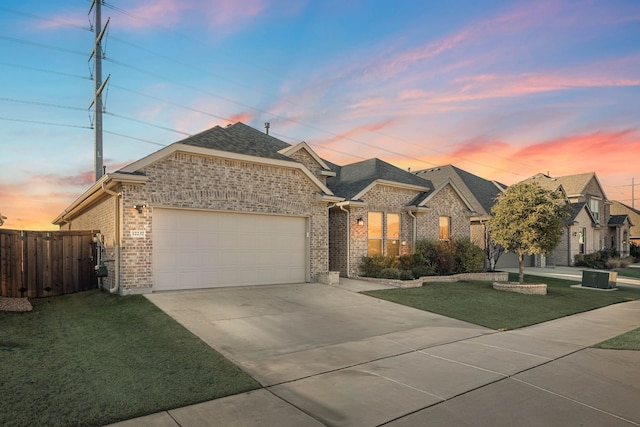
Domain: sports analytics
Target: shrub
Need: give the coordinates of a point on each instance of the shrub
(469, 257)
(634, 251)
(617, 263)
(426, 269)
(372, 266)
(406, 275)
(390, 273)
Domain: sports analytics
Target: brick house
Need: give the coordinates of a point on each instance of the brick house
(633, 215)
(228, 206)
(481, 194)
(591, 226)
(386, 209)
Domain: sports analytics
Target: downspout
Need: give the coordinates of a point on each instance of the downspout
(348, 239)
(569, 245)
(414, 233)
(116, 279)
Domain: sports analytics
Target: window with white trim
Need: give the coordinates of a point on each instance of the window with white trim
(594, 205)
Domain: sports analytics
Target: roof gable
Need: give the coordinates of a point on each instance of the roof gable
(423, 199)
(571, 184)
(288, 151)
(354, 180)
(480, 193)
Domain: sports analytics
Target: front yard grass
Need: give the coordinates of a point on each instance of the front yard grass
(629, 272)
(628, 341)
(92, 359)
(477, 302)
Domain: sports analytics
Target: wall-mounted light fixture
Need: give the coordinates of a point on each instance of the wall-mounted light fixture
(404, 243)
(360, 221)
(139, 207)
(575, 234)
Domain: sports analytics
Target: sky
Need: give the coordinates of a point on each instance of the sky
(501, 89)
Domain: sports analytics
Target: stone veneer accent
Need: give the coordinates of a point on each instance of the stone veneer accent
(528, 289)
(495, 276)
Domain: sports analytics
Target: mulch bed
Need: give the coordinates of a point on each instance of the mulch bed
(15, 304)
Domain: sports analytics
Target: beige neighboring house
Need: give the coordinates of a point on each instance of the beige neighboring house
(226, 207)
(618, 208)
(591, 226)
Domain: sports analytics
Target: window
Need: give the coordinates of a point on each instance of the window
(445, 228)
(393, 234)
(383, 234)
(374, 228)
(582, 240)
(594, 205)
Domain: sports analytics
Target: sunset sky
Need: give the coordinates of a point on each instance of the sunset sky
(502, 89)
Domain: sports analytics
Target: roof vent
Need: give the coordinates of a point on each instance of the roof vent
(267, 125)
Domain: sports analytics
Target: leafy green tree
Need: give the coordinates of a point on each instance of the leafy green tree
(528, 220)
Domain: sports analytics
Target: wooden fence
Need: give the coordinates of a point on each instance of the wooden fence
(46, 263)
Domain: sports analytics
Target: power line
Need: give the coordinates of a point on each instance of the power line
(55, 21)
(43, 70)
(146, 123)
(42, 104)
(43, 45)
(37, 122)
(134, 138)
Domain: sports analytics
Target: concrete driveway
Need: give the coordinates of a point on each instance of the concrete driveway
(329, 356)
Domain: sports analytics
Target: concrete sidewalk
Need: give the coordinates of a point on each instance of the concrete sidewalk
(431, 371)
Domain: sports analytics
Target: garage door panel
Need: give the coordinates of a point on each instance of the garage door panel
(199, 249)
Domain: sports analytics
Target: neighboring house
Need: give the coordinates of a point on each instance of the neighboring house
(591, 227)
(228, 206)
(386, 209)
(481, 194)
(618, 208)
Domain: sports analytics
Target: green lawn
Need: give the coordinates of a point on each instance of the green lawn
(92, 359)
(629, 272)
(479, 303)
(628, 341)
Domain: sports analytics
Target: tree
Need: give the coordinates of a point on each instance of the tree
(492, 250)
(528, 220)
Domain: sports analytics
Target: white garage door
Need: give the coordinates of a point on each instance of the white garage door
(198, 249)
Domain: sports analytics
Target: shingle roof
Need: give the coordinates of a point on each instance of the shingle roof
(239, 138)
(575, 210)
(572, 184)
(480, 193)
(352, 179)
(618, 219)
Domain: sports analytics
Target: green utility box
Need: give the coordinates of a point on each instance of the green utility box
(101, 270)
(599, 279)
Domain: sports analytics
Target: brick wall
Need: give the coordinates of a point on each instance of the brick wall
(388, 199)
(196, 181)
(310, 163)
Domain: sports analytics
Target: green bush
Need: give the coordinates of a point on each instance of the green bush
(426, 269)
(601, 259)
(406, 275)
(431, 257)
(372, 266)
(469, 257)
(390, 273)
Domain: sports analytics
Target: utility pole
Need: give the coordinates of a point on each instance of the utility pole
(99, 85)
